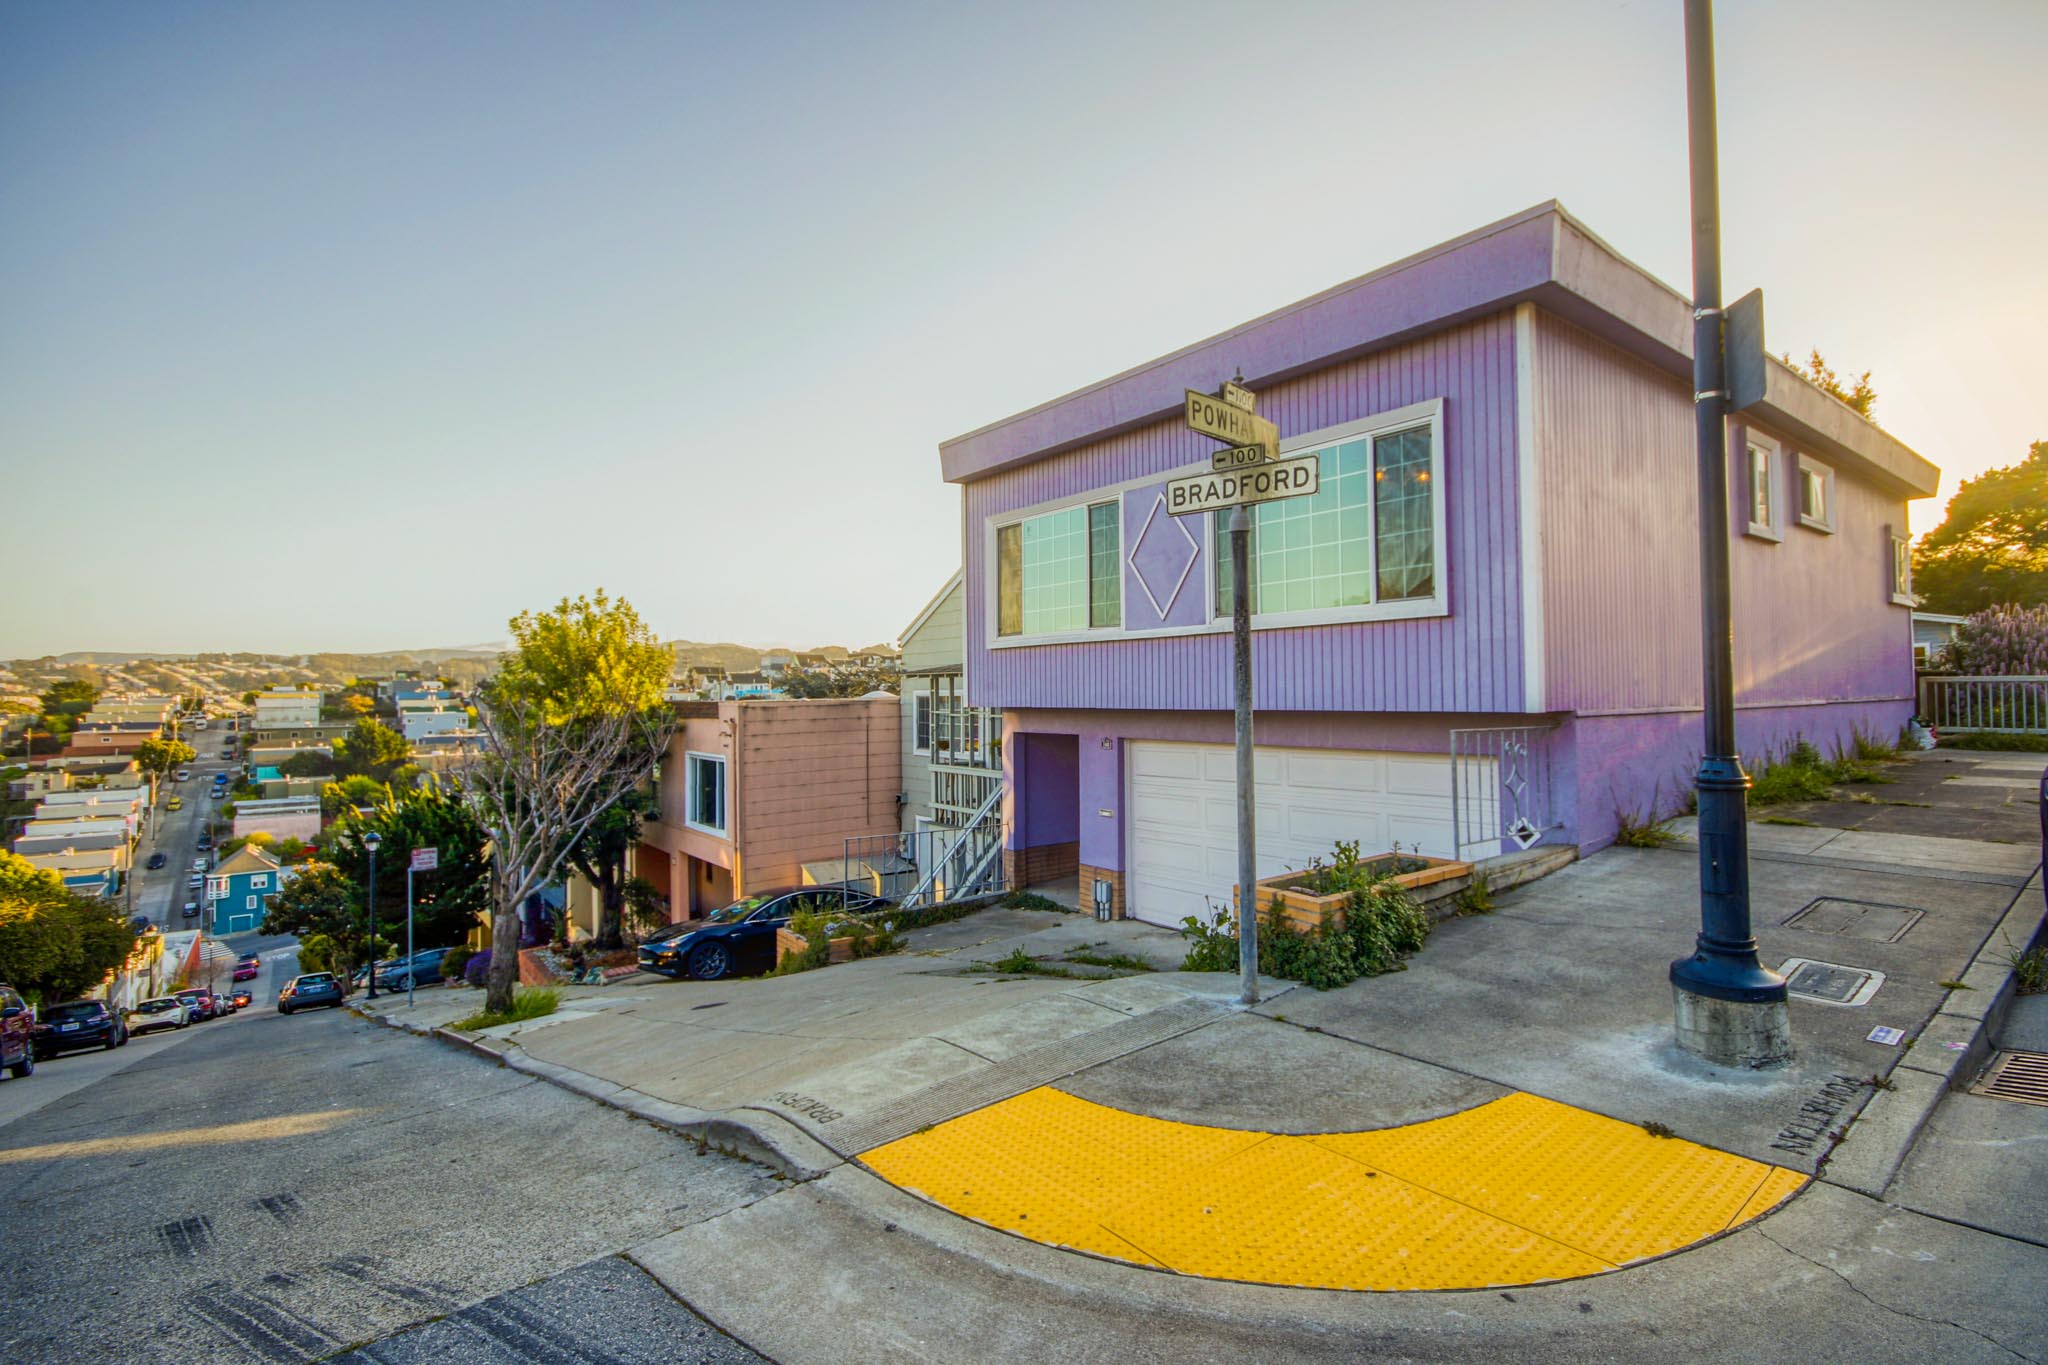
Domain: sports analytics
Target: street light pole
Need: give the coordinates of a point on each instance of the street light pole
(370, 842)
(1728, 1008)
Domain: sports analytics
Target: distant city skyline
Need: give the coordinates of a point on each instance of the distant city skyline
(323, 329)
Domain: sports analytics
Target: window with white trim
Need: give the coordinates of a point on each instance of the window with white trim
(259, 881)
(248, 902)
(1762, 467)
(1816, 488)
(704, 793)
(1058, 572)
(1902, 571)
(921, 722)
(1367, 535)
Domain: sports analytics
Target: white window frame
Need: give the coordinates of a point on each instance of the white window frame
(691, 758)
(1095, 498)
(1900, 570)
(248, 902)
(921, 720)
(1825, 522)
(1407, 609)
(1774, 487)
(259, 881)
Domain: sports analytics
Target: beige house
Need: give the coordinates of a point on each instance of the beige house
(283, 708)
(752, 790)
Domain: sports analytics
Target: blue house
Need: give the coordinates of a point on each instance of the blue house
(239, 890)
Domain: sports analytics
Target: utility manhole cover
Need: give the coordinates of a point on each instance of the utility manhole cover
(1829, 983)
(1867, 920)
(2021, 1076)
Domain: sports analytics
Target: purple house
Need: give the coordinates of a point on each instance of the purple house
(1483, 631)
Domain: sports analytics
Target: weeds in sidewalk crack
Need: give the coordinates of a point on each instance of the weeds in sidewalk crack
(1658, 1130)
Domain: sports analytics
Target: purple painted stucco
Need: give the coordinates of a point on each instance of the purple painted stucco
(1047, 780)
(1469, 660)
(1160, 564)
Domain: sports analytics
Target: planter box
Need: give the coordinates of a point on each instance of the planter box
(788, 944)
(1307, 911)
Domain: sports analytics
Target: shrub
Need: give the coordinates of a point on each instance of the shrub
(1383, 925)
(1212, 947)
(453, 963)
(477, 968)
(1031, 900)
(1999, 641)
(1631, 832)
(528, 1002)
(1996, 740)
(316, 953)
(1871, 749)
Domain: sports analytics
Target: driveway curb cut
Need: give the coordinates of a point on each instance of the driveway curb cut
(1951, 1048)
(759, 1136)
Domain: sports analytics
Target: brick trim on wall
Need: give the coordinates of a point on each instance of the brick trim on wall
(1089, 876)
(1024, 867)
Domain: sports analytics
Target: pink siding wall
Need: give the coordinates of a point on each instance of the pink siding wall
(811, 774)
(1814, 619)
(1468, 661)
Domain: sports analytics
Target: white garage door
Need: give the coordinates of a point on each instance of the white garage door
(1181, 807)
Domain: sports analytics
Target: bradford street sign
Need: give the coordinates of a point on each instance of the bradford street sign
(1229, 423)
(1262, 483)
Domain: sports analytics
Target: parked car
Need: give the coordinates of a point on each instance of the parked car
(175, 803)
(740, 939)
(423, 968)
(304, 992)
(165, 1011)
(191, 910)
(156, 860)
(206, 841)
(248, 966)
(199, 864)
(17, 1035)
(79, 1024)
(203, 1007)
(184, 775)
(242, 998)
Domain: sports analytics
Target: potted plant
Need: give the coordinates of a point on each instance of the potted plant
(1319, 893)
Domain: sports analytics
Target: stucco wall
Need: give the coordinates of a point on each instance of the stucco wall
(810, 775)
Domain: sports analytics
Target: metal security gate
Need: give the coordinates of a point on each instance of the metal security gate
(1501, 789)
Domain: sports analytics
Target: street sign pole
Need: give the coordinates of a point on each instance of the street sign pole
(1241, 690)
(410, 970)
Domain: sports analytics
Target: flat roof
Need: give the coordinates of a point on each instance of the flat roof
(1541, 255)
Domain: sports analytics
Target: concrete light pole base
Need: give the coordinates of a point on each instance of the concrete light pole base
(1755, 1035)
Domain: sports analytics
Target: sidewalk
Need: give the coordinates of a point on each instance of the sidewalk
(1478, 1120)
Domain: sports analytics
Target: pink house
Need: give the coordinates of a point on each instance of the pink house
(752, 790)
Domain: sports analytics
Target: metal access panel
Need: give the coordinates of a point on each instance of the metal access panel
(1830, 983)
(2018, 1076)
(1871, 921)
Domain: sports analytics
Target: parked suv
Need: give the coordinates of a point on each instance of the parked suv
(79, 1024)
(17, 1035)
(163, 1012)
(423, 968)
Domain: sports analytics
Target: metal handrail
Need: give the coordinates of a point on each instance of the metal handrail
(1961, 703)
(986, 814)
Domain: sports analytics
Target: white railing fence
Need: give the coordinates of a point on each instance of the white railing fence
(2016, 704)
(1500, 789)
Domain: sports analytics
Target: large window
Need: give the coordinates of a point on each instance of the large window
(704, 793)
(1367, 535)
(1057, 573)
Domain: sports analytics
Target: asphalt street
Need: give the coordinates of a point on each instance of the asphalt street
(163, 893)
(261, 1188)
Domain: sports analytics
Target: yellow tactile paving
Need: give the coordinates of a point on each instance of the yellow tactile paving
(1516, 1191)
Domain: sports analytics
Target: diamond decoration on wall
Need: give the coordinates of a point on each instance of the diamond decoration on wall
(1164, 551)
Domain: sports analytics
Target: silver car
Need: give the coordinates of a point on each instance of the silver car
(165, 1011)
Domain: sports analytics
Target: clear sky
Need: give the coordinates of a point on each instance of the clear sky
(366, 325)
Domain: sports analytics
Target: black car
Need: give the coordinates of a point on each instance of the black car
(79, 1024)
(156, 860)
(304, 992)
(740, 939)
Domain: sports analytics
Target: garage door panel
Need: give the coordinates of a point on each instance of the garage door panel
(1182, 816)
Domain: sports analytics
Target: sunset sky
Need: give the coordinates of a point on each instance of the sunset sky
(366, 326)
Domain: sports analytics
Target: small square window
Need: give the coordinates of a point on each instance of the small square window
(1816, 490)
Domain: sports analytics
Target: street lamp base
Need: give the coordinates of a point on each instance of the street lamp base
(1753, 1035)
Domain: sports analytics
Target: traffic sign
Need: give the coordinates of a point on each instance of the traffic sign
(425, 859)
(1239, 457)
(1238, 396)
(1262, 483)
(1229, 423)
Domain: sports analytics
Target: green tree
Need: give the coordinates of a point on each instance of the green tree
(852, 682)
(1857, 393)
(350, 793)
(322, 900)
(371, 749)
(447, 902)
(1991, 548)
(308, 763)
(573, 721)
(161, 757)
(70, 697)
(54, 944)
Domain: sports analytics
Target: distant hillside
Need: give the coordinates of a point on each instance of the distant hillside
(730, 657)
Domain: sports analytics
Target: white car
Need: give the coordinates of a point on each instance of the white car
(199, 864)
(184, 775)
(166, 1011)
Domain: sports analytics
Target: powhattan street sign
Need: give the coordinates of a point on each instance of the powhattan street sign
(1229, 423)
(1241, 487)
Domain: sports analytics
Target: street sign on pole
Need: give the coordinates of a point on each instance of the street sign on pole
(1742, 346)
(1239, 457)
(1229, 423)
(1238, 396)
(1242, 487)
(425, 859)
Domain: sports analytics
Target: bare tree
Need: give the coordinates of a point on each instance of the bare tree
(539, 783)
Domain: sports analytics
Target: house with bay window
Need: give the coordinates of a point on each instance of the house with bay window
(1482, 632)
